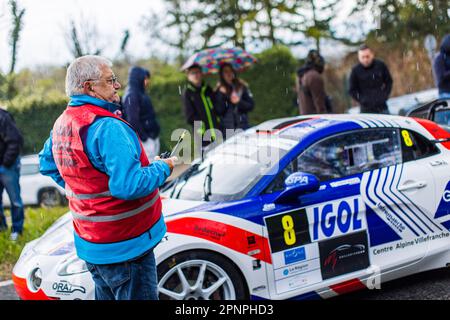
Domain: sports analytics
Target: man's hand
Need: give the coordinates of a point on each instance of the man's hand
(170, 161)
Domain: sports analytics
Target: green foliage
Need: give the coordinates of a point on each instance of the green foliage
(37, 221)
(35, 115)
(404, 21)
(272, 81)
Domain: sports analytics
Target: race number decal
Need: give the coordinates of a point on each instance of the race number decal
(407, 138)
(288, 230)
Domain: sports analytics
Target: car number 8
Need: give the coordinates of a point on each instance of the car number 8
(289, 233)
(407, 138)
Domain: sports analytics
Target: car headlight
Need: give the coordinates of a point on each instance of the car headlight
(71, 266)
(35, 280)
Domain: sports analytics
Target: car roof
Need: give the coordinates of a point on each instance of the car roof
(30, 159)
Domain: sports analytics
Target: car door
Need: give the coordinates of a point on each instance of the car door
(339, 228)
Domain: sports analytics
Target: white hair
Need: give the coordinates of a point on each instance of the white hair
(83, 69)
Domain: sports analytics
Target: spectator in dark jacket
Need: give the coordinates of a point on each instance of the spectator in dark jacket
(370, 82)
(11, 142)
(199, 105)
(312, 98)
(234, 100)
(139, 112)
(441, 68)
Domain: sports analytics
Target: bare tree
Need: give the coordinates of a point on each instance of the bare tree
(83, 38)
(17, 14)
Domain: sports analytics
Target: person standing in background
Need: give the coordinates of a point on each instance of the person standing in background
(139, 112)
(199, 104)
(441, 68)
(11, 142)
(370, 82)
(310, 85)
(234, 100)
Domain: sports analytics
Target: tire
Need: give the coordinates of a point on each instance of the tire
(190, 263)
(50, 197)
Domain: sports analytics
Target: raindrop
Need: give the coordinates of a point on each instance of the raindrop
(179, 90)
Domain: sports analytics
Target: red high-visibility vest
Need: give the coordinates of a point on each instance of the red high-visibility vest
(97, 216)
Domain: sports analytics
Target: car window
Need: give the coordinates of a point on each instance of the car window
(442, 117)
(415, 146)
(345, 155)
(29, 169)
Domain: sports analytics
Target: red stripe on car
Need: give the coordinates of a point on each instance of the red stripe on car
(20, 284)
(226, 235)
(436, 131)
(348, 286)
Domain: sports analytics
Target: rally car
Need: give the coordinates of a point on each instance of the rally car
(297, 208)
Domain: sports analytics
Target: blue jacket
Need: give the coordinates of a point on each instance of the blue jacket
(113, 148)
(441, 67)
(137, 106)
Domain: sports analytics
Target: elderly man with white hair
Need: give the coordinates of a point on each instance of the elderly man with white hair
(111, 186)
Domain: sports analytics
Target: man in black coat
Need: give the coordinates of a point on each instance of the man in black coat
(11, 142)
(441, 68)
(370, 82)
(199, 104)
(139, 112)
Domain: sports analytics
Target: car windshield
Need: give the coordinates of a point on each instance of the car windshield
(230, 170)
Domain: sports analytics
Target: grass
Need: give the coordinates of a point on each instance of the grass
(37, 220)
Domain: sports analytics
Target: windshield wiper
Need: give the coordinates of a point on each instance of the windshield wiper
(184, 177)
(207, 184)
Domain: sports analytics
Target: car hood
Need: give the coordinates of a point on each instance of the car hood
(58, 239)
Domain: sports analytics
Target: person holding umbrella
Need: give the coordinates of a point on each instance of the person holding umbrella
(234, 99)
(199, 105)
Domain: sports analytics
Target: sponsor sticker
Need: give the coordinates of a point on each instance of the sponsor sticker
(344, 255)
(295, 255)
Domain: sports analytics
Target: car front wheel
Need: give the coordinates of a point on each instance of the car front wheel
(200, 275)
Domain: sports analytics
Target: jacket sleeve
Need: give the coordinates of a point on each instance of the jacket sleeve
(439, 70)
(189, 110)
(47, 165)
(132, 108)
(316, 86)
(388, 82)
(113, 147)
(222, 103)
(246, 104)
(353, 89)
(12, 138)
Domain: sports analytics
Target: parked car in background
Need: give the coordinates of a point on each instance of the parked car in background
(37, 189)
(402, 104)
(437, 111)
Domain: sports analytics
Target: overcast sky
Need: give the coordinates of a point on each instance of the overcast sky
(46, 22)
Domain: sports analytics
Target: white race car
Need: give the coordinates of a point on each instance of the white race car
(346, 202)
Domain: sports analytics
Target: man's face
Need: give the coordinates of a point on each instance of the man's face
(147, 82)
(195, 76)
(366, 57)
(104, 88)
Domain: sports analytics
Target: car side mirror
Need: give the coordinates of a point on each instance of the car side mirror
(297, 184)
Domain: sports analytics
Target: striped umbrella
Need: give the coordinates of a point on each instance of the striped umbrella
(211, 59)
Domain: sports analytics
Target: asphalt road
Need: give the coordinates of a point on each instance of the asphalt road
(431, 285)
